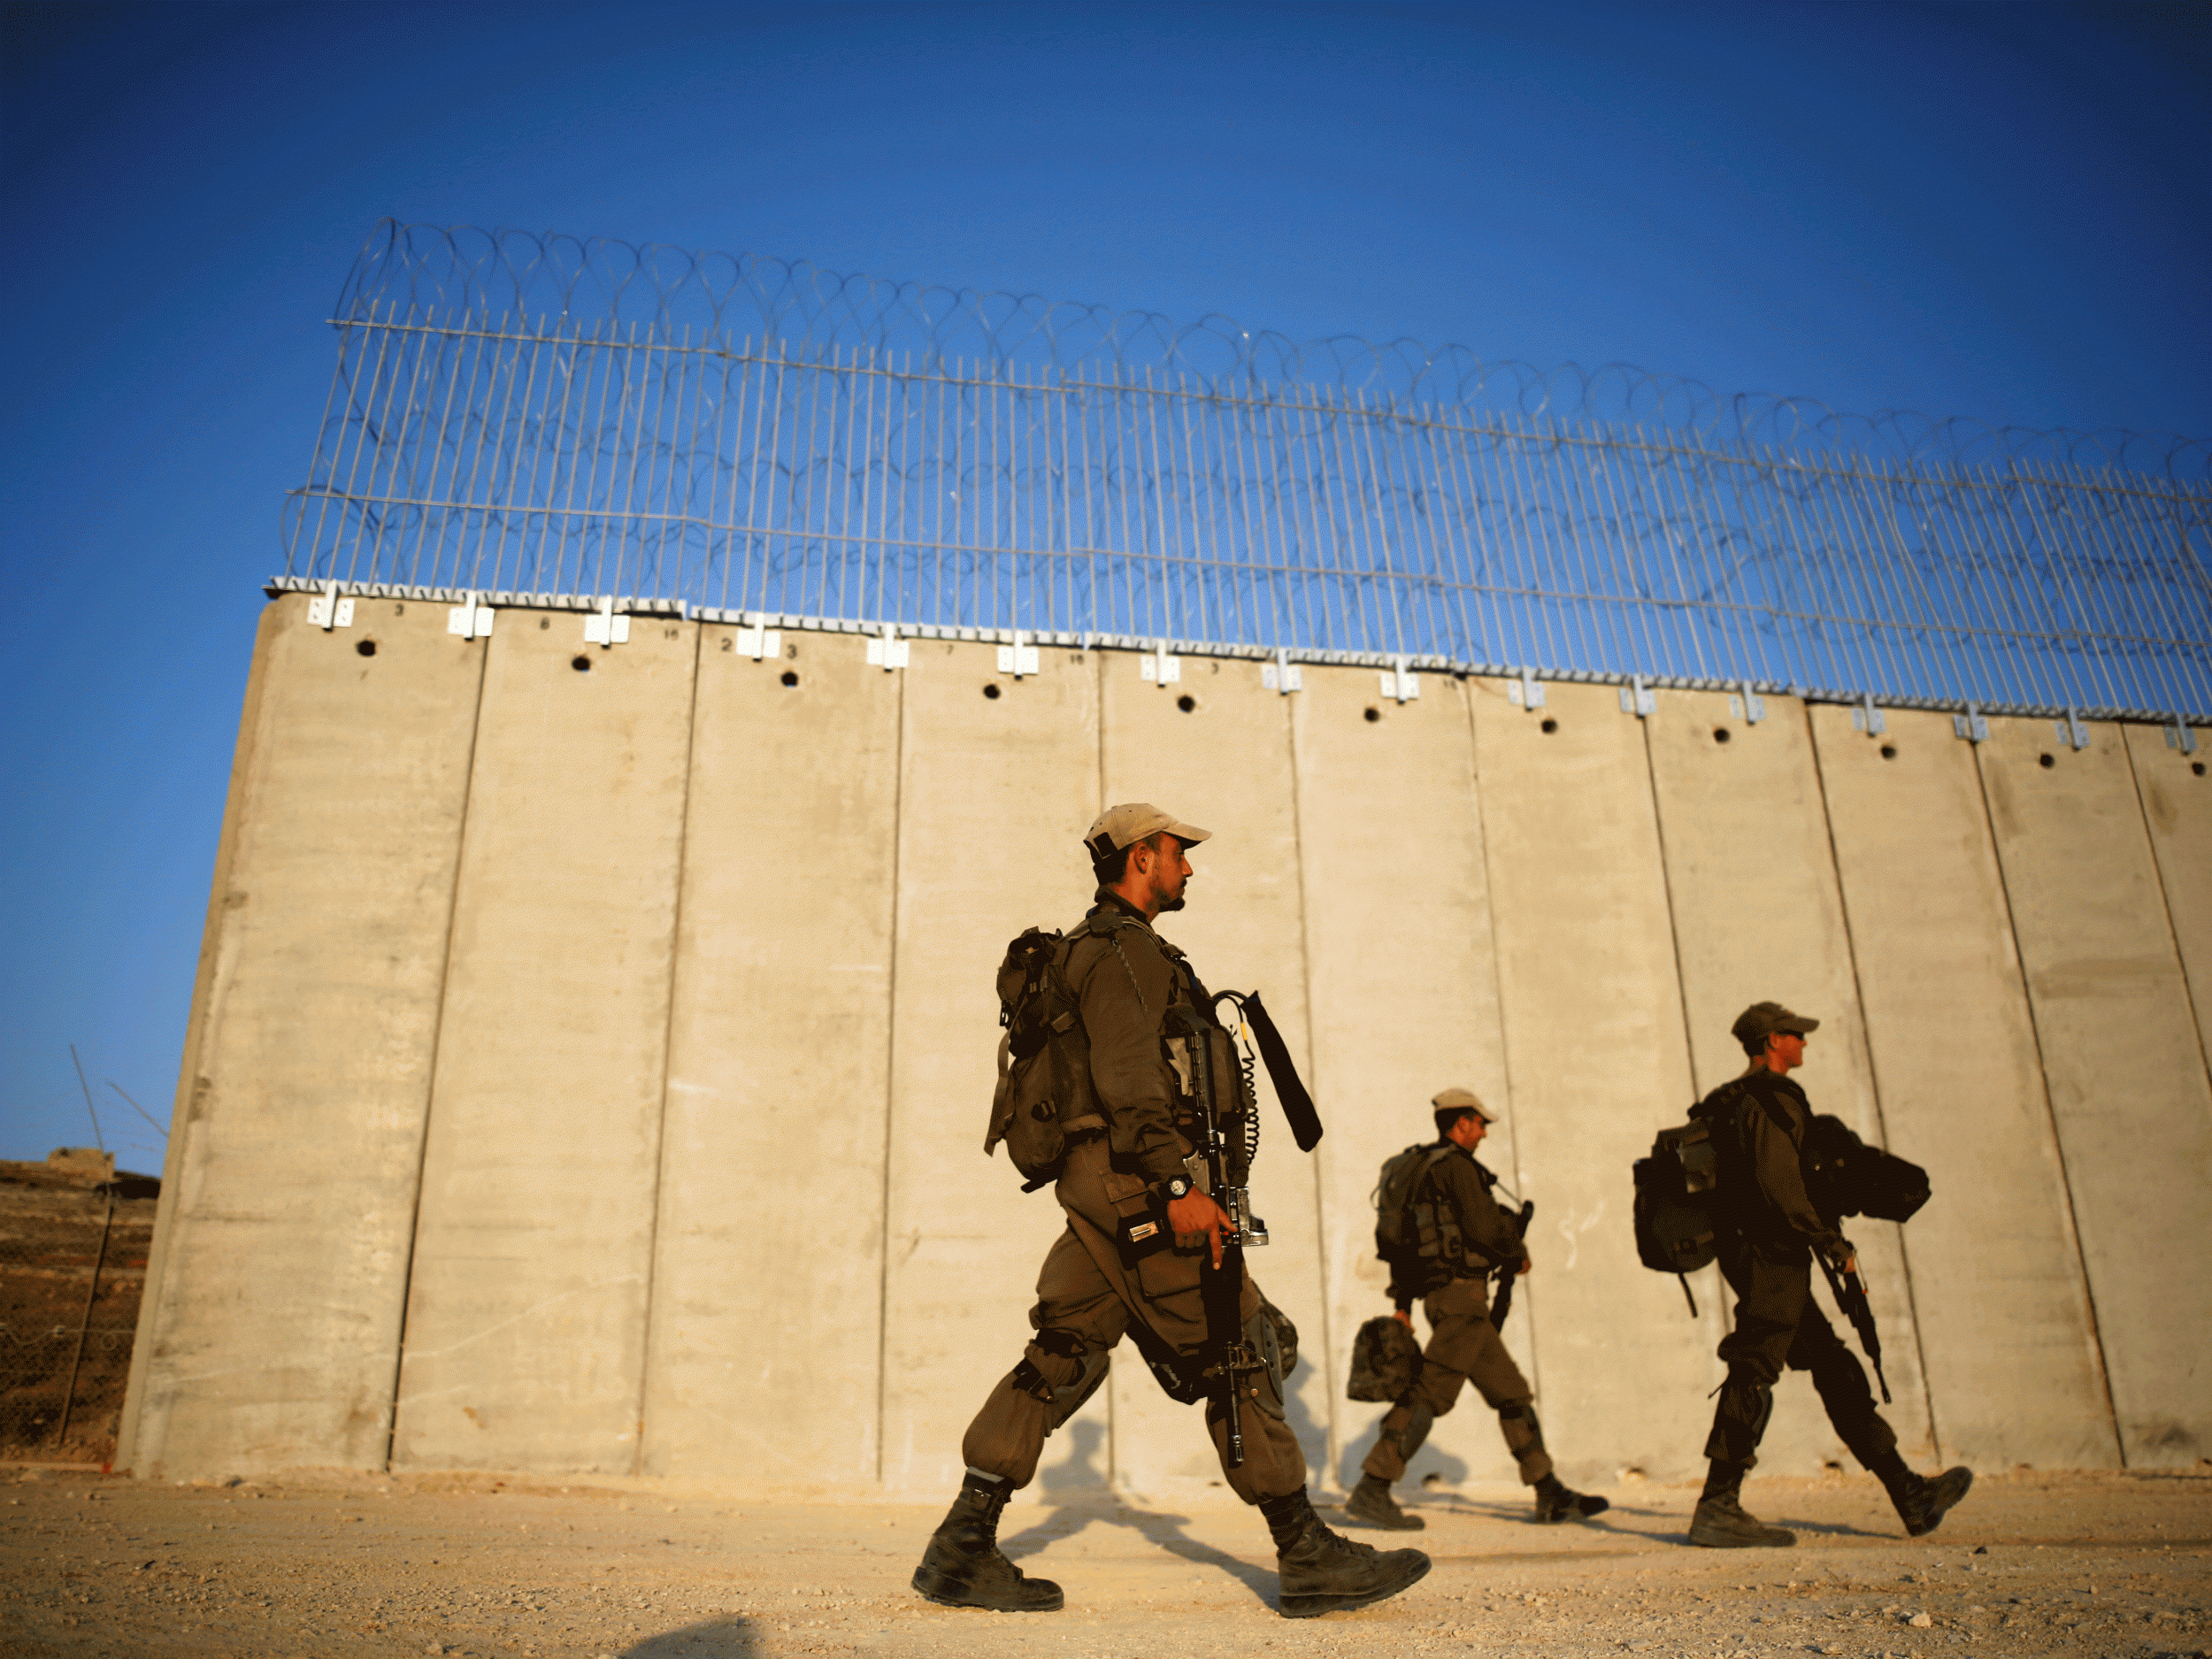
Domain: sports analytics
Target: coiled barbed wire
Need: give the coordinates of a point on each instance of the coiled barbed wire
(554, 417)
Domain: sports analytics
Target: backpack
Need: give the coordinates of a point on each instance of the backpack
(1846, 1176)
(1044, 1059)
(1406, 1231)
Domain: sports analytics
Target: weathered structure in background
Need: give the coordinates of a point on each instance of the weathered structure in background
(594, 1031)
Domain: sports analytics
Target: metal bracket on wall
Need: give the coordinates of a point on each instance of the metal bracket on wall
(1868, 719)
(603, 627)
(1749, 706)
(1636, 699)
(1401, 681)
(328, 610)
(1970, 726)
(1282, 674)
(2180, 737)
(757, 640)
(2070, 730)
(888, 650)
(1524, 693)
(1019, 658)
(1158, 667)
(468, 619)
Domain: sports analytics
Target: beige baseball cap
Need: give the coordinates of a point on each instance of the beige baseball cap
(1118, 826)
(1464, 1100)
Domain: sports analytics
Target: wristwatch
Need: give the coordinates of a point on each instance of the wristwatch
(1176, 1186)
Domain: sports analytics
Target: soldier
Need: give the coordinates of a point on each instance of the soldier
(1475, 1240)
(1129, 1157)
(1768, 1228)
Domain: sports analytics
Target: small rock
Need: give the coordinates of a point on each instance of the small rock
(1918, 1621)
(435, 1647)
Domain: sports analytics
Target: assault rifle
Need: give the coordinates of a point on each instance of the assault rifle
(1850, 1294)
(1501, 1304)
(1228, 1139)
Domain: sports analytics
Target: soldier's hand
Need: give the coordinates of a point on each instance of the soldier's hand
(1403, 1319)
(1194, 1213)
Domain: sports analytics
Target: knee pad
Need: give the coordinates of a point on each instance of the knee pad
(1415, 1432)
(1056, 1370)
(1275, 1340)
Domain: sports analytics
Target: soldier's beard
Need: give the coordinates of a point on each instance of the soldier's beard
(1175, 903)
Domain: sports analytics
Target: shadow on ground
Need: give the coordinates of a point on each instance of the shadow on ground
(716, 1638)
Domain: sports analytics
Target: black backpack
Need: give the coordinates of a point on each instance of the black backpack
(1677, 1188)
(1846, 1176)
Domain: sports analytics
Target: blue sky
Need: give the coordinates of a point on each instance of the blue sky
(2002, 211)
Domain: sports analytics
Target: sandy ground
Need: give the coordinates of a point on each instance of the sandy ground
(352, 1565)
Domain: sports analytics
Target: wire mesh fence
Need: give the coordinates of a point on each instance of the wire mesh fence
(520, 415)
(73, 1267)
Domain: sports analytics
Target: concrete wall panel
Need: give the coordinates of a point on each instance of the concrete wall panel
(779, 1073)
(1405, 995)
(1758, 915)
(995, 795)
(1224, 765)
(285, 1216)
(2010, 1346)
(2125, 1067)
(527, 1318)
(2175, 788)
(1597, 1064)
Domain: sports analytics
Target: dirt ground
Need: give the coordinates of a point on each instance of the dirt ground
(477, 1567)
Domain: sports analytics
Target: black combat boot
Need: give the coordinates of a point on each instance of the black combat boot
(1555, 1502)
(963, 1566)
(1921, 1502)
(1322, 1572)
(1720, 1521)
(1371, 1504)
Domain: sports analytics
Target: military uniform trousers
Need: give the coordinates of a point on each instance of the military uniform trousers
(1778, 1324)
(1087, 1300)
(1463, 1348)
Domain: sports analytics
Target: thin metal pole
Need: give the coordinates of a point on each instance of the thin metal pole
(84, 1321)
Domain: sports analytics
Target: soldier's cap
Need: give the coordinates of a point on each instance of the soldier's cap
(1120, 827)
(1464, 1100)
(1762, 1020)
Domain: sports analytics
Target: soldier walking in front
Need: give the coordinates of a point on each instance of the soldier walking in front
(1459, 1237)
(1129, 1261)
(1769, 1227)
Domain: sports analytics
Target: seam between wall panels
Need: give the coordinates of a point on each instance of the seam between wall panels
(668, 1039)
(890, 1074)
(1873, 1071)
(2050, 1115)
(2166, 898)
(1497, 972)
(437, 1039)
(1332, 1434)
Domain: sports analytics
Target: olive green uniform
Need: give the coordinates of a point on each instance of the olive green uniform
(1770, 1229)
(1089, 1295)
(1464, 1346)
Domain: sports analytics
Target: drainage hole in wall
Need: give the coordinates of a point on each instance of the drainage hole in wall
(991, 692)
(2197, 766)
(2045, 761)
(367, 647)
(1889, 751)
(1371, 716)
(1720, 734)
(1549, 726)
(581, 665)
(1186, 704)
(791, 676)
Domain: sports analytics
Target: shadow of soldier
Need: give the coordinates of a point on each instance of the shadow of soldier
(716, 1639)
(1079, 1484)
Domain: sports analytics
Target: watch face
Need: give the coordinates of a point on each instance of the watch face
(1177, 1187)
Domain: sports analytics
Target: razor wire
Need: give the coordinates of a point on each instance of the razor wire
(543, 418)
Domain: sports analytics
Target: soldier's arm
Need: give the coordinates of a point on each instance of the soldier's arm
(1124, 996)
(1482, 1223)
(1777, 1167)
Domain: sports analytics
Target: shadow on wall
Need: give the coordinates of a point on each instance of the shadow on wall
(716, 1638)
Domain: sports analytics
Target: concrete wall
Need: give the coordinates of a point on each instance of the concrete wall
(589, 1067)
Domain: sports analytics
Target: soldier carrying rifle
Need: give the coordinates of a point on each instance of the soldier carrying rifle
(1769, 1229)
(1114, 1081)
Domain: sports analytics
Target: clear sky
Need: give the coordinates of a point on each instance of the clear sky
(1995, 211)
